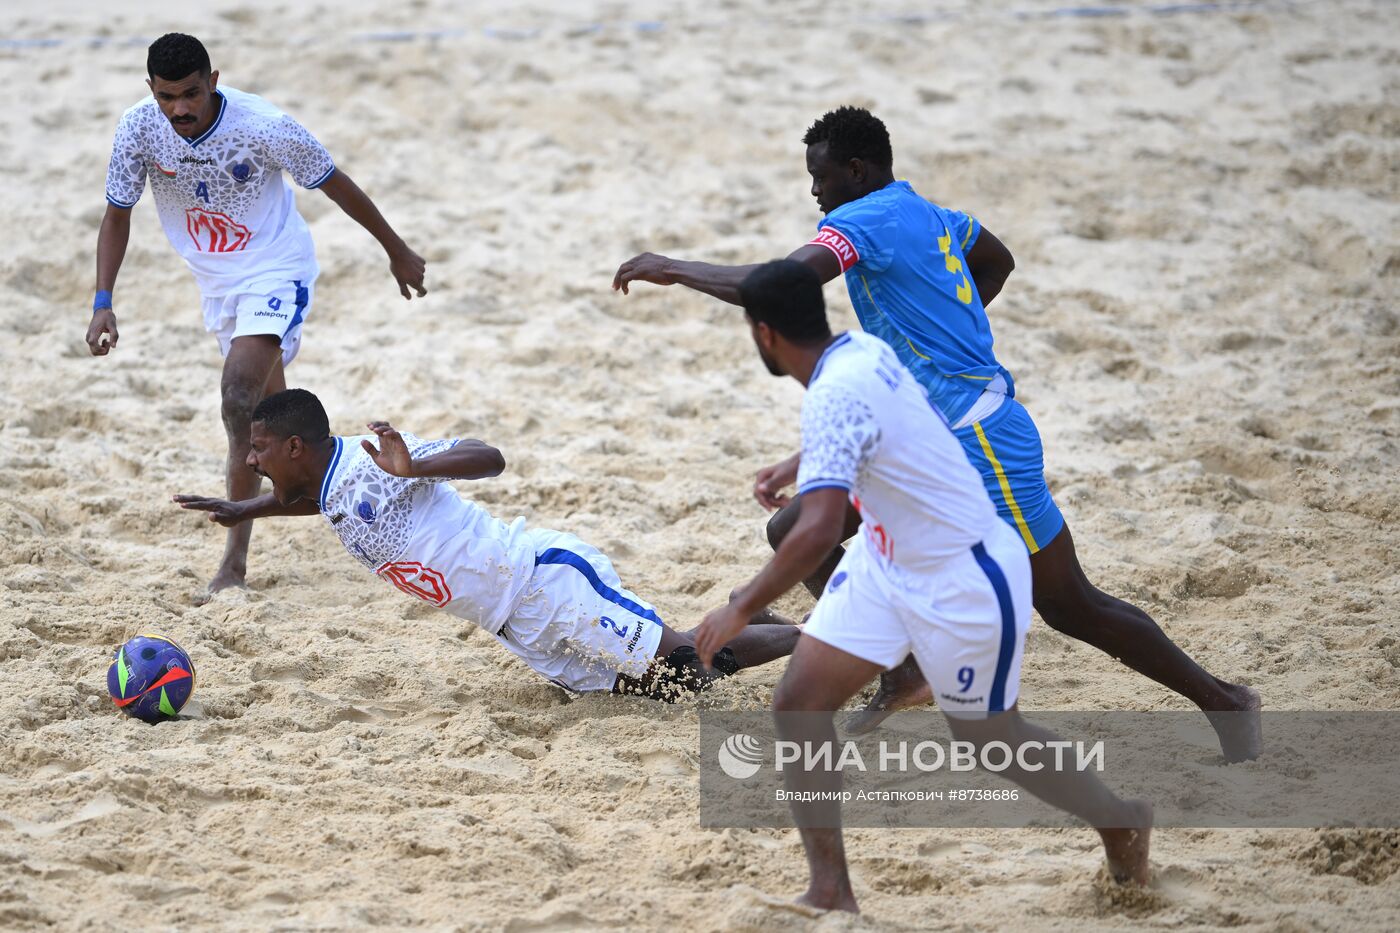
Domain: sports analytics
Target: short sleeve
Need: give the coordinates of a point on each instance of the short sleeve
(301, 154)
(126, 172)
(839, 436)
(963, 227)
(420, 448)
(868, 232)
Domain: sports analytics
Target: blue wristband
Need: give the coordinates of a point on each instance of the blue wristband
(103, 300)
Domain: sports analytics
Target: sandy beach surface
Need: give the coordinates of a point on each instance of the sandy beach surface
(1205, 210)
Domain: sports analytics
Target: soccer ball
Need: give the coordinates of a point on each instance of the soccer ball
(151, 678)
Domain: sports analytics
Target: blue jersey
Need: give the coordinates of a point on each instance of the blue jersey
(905, 264)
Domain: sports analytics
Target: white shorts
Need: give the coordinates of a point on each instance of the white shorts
(575, 624)
(272, 307)
(966, 624)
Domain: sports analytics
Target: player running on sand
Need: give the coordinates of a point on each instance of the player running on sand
(935, 572)
(919, 277)
(549, 598)
(215, 157)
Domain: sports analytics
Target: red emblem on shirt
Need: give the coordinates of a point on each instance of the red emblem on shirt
(874, 531)
(416, 580)
(836, 241)
(214, 232)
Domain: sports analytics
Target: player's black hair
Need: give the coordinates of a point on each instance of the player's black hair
(852, 133)
(294, 412)
(787, 296)
(175, 55)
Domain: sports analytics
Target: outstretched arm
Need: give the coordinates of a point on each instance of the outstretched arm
(228, 513)
(819, 528)
(112, 238)
(406, 266)
(991, 262)
(720, 282)
(469, 459)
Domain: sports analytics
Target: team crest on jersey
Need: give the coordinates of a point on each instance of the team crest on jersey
(215, 232)
(366, 513)
(241, 171)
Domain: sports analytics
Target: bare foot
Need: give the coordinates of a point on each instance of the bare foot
(1126, 848)
(1240, 728)
(899, 689)
(830, 900)
(227, 577)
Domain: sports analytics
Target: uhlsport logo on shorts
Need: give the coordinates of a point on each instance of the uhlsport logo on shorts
(740, 756)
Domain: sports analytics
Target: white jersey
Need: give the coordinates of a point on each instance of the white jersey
(424, 538)
(221, 196)
(868, 428)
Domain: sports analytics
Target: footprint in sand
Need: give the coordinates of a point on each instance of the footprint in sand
(279, 673)
(664, 762)
(94, 809)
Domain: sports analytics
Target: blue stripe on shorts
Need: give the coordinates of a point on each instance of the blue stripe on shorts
(557, 555)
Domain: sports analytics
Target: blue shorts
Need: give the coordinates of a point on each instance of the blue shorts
(1005, 449)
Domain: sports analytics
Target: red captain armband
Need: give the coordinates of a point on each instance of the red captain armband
(836, 241)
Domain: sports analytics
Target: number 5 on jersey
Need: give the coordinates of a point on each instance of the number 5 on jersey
(955, 266)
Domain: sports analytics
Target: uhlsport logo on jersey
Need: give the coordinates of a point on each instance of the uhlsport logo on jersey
(740, 756)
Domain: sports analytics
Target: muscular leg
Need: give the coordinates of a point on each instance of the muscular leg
(1069, 603)
(1125, 826)
(782, 522)
(819, 680)
(253, 365)
(757, 644)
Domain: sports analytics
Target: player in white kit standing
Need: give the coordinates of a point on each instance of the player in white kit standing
(547, 597)
(935, 572)
(215, 158)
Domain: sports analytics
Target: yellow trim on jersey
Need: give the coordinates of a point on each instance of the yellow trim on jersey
(971, 226)
(1021, 525)
(981, 378)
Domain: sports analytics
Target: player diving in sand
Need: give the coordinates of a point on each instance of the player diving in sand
(215, 158)
(549, 598)
(920, 277)
(935, 572)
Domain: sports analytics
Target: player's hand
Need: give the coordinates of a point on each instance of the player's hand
(392, 454)
(719, 627)
(408, 268)
(104, 323)
(769, 482)
(648, 267)
(224, 512)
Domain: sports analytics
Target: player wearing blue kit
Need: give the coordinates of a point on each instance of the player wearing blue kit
(934, 571)
(920, 277)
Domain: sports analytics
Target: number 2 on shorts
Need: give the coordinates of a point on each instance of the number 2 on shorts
(619, 630)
